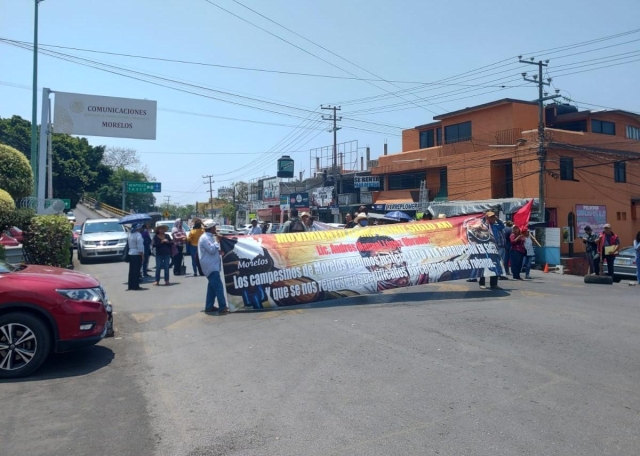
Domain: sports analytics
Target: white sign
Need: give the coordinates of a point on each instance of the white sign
(405, 206)
(323, 196)
(94, 115)
(271, 189)
(366, 182)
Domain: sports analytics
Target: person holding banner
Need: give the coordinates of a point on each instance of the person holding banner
(361, 220)
(593, 256)
(518, 252)
(210, 262)
(294, 224)
(255, 229)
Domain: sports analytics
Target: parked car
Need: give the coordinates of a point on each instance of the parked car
(17, 234)
(102, 238)
(7, 240)
(45, 309)
(225, 229)
(625, 263)
(77, 229)
(71, 216)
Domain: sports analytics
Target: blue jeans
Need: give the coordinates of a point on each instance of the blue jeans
(527, 264)
(162, 264)
(195, 262)
(215, 289)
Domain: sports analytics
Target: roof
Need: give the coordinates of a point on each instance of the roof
(484, 106)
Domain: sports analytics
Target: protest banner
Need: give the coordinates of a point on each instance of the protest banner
(300, 268)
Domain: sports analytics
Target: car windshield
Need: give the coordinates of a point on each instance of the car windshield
(227, 227)
(6, 267)
(70, 213)
(77, 228)
(103, 227)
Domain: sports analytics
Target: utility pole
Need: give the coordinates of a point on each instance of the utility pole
(34, 105)
(335, 129)
(168, 198)
(211, 181)
(542, 151)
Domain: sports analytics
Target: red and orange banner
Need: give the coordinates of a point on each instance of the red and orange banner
(300, 268)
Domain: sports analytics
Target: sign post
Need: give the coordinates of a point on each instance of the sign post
(139, 187)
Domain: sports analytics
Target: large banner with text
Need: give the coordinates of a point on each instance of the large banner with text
(299, 268)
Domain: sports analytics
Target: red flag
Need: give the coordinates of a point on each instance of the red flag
(521, 218)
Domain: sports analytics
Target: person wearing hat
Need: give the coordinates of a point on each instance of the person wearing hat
(590, 241)
(163, 244)
(255, 229)
(361, 220)
(135, 244)
(307, 220)
(609, 243)
(294, 224)
(210, 262)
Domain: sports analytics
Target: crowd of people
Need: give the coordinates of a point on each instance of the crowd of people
(202, 244)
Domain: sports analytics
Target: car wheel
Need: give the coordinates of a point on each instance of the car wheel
(81, 258)
(25, 343)
(599, 279)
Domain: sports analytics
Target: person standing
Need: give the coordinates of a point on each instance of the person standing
(610, 244)
(506, 255)
(192, 240)
(361, 220)
(307, 220)
(349, 223)
(498, 230)
(179, 237)
(530, 252)
(146, 239)
(162, 243)
(518, 252)
(636, 246)
(591, 244)
(255, 229)
(210, 261)
(135, 244)
(294, 224)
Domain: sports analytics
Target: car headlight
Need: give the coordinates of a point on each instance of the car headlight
(82, 294)
(88, 243)
(122, 241)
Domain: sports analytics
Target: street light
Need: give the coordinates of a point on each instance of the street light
(34, 104)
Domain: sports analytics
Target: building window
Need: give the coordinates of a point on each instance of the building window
(457, 133)
(603, 127)
(620, 172)
(407, 181)
(633, 132)
(444, 183)
(566, 168)
(438, 136)
(426, 139)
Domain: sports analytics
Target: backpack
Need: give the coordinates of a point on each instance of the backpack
(297, 226)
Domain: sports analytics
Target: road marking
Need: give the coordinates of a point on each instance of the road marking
(534, 294)
(189, 321)
(142, 317)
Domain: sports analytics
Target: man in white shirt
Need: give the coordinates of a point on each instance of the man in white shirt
(255, 229)
(135, 244)
(210, 262)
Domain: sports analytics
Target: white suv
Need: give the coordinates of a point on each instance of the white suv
(102, 238)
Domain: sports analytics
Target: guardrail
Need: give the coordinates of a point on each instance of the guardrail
(104, 207)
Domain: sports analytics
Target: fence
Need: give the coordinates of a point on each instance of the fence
(95, 204)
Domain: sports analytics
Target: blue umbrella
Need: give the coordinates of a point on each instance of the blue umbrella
(134, 218)
(399, 215)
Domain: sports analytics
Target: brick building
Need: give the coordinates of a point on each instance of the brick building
(490, 151)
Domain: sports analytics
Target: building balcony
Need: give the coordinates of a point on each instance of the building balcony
(346, 199)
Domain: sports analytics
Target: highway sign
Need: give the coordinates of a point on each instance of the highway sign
(144, 187)
(67, 203)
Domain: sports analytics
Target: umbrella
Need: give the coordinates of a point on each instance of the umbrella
(134, 218)
(399, 215)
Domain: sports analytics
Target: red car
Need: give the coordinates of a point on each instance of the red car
(45, 309)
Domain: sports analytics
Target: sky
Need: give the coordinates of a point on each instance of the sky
(472, 45)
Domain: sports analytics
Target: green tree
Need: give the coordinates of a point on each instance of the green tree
(16, 176)
(111, 193)
(229, 212)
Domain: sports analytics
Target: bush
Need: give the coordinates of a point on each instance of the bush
(7, 204)
(47, 241)
(16, 176)
(19, 217)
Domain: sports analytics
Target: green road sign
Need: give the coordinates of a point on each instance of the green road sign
(144, 187)
(67, 204)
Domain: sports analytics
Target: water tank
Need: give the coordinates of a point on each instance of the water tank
(285, 166)
(565, 109)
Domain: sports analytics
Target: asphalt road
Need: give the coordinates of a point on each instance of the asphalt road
(546, 367)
